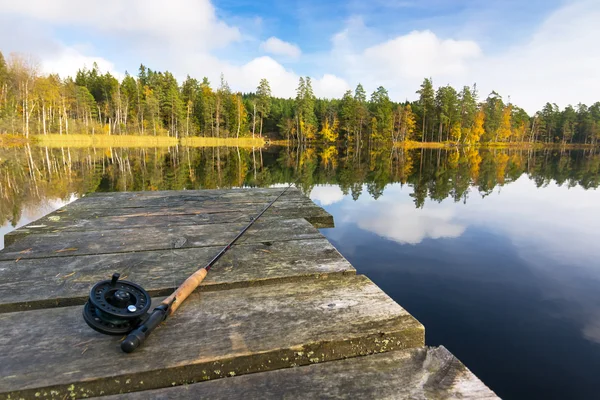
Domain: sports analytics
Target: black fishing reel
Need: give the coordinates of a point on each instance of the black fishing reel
(120, 307)
(116, 307)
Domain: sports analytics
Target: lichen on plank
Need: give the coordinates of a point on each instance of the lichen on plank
(213, 334)
(422, 373)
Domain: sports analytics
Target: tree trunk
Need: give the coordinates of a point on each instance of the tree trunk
(44, 118)
(423, 133)
(172, 116)
(26, 109)
(141, 114)
(253, 119)
(187, 122)
(239, 122)
(261, 125)
(217, 116)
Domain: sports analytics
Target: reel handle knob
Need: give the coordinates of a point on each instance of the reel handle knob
(114, 279)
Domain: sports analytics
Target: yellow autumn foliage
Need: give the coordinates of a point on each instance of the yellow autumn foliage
(505, 131)
(329, 157)
(477, 131)
(329, 131)
(456, 132)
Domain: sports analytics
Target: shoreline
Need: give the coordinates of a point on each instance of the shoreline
(134, 141)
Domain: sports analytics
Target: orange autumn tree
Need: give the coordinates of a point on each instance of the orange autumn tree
(505, 132)
(477, 131)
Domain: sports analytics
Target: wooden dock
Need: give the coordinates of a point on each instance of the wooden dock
(283, 297)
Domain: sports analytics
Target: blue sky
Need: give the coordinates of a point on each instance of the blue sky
(533, 51)
(307, 23)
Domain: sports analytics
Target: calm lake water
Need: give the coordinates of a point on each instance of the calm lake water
(495, 252)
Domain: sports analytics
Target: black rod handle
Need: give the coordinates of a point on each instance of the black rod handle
(139, 335)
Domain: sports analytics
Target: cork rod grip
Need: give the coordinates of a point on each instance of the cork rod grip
(183, 291)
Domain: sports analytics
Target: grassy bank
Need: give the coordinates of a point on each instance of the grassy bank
(132, 141)
(492, 145)
(279, 142)
(529, 145)
(411, 144)
(12, 140)
(104, 141)
(222, 142)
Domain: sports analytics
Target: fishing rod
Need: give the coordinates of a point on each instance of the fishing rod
(118, 307)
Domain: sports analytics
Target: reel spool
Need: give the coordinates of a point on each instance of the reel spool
(116, 307)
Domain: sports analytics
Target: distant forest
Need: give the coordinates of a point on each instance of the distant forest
(154, 103)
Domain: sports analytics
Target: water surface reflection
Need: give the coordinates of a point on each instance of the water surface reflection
(495, 251)
(508, 281)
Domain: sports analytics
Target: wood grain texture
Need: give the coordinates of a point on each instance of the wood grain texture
(162, 198)
(123, 218)
(423, 373)
(63, 281)
(53, 354)
(63, 244)
(122, 210)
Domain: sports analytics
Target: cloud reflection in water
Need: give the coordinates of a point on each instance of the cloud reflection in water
(553, 231)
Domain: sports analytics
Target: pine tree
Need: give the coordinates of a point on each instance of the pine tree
(381, 107)
(468, 107)
(494, 107)
(360, 96)
(427, 101)
(263, 92)
(348, 115)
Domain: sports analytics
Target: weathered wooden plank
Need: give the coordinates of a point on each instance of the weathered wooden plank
(422, 373)
(180, 201)
(52, 353)
(161, 199)
(190, 214)
(220, 193)
(154, 238)
(63, 281)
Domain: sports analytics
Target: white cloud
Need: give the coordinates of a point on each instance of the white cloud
(192, 24)
(182, 38)
(327, 194)
(556, 231)
(421, 54)
(591, 326)
(400, 64)
(330, 86)
(283, 81)
(394, 217)
(403, 223)
(33, 39)
(68, 61)
(555, 64)
(552, 230)
(279, 47)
